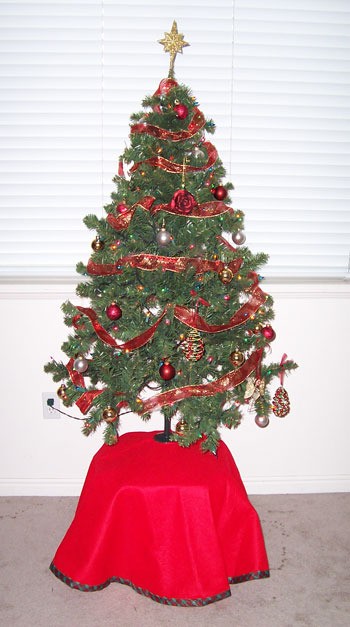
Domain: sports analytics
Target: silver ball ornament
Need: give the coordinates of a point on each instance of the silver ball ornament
(261, 421)
(239, 238)
(197, 153)
(163, 237)
(80, 364)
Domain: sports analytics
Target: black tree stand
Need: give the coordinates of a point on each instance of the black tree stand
(165, 435)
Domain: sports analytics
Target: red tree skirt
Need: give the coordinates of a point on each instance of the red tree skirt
(173, 523)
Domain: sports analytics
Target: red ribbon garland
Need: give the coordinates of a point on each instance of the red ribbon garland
(85, 401)
(179, 168)
(196, 124)
(122, 221)
(130, 345)
(225, 383)
(195, 321)
(155, 262)
(76, 377)
(282, 370)
(188, 317)
(205, 210)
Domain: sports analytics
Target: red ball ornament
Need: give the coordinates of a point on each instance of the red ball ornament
(181, 111)
(122, 208)
(167, 371)
(113, 312)
(268, 333)
(220, 192)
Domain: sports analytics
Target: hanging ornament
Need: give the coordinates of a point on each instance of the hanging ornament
(109, 414)
(219, 192)
(226, 275)
(183, 202)
(163, 237)
(61, 392)
(97, 244)
(182, 427)
(197, 153)
(193, 346)
(239, 238)
(280, 401)
(80, 364)
(113, 311)
(167, 371)
(181, 111)
(255, 390)
(268, 333)
(153, 304)
(237, 358)
(122, 208)
(262, 421)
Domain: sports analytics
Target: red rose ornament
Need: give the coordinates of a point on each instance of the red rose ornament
(183, 202)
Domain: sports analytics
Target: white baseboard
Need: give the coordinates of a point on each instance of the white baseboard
(297, 485)
(41, 487)
(254, 485)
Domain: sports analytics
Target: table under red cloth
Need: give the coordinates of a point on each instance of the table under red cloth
(173, 523)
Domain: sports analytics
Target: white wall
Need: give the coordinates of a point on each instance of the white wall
(305, 452)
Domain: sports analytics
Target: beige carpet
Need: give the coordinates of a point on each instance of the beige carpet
(307, 538)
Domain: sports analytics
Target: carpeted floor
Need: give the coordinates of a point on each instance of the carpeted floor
(307, 538)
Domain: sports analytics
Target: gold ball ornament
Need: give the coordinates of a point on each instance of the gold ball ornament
(97, 244)
(61, 392)
(225, 275)
(237, 358)
(182, 427)
(109, 414)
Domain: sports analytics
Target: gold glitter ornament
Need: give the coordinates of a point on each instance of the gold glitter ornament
(280, 402)
(193, 346)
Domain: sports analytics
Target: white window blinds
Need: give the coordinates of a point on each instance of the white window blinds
(273, 74)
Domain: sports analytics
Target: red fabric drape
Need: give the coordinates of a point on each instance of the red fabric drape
(174, 523)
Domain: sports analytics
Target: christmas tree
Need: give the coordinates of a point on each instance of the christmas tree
(177, 320)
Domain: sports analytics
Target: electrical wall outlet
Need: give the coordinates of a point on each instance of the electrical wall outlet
(50, 403)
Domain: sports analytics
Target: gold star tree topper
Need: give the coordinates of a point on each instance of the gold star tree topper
(173, 43)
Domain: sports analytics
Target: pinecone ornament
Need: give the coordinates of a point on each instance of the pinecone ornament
(280, 402)
(193, 346)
